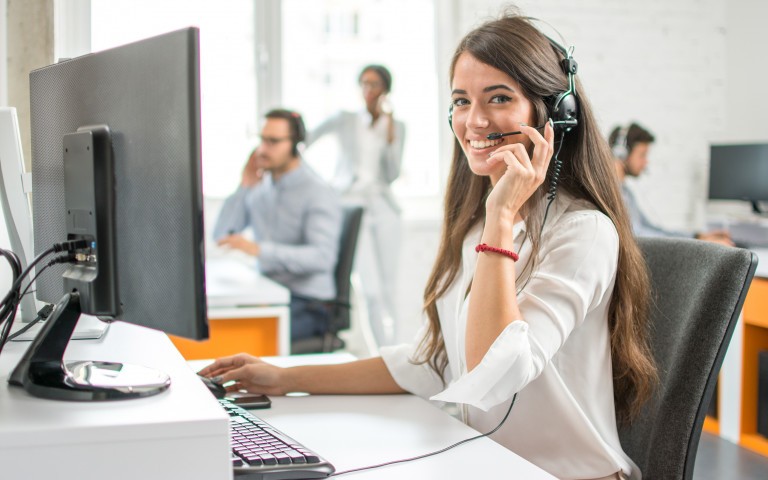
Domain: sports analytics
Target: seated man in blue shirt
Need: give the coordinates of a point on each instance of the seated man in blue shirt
(630, 146)
(296, 220)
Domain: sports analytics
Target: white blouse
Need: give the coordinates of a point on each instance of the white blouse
(558, 360)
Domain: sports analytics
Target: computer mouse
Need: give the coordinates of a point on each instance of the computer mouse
(216, 389)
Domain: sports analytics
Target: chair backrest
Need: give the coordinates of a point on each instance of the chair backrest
(350, 231)
(698, 290)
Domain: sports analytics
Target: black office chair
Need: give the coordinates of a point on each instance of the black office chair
(341, 306)
(698, 289)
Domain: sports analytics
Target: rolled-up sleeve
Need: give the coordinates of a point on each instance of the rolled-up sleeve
(576, 271)
(418, 379)
(392, 155)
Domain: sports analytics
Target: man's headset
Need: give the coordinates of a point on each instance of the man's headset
(298, 132)
(620, 148)
(563, 109)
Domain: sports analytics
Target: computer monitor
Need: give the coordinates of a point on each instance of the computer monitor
(14, 185)
(739, 172)
(116, 162)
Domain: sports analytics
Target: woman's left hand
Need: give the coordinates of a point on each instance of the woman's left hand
(523, 175)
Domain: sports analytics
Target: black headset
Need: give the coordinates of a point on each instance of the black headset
(563, 107)
(298, 132)
(295, 125)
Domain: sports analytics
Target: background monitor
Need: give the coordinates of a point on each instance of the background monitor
(739, 172)
(116, 161)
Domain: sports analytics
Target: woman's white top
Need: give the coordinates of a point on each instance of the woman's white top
(367, 163)
(557, 357)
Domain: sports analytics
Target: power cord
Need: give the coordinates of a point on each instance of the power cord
(13, 305)
(10, 303)
(43, 314)
(393, 462)
(557, 167)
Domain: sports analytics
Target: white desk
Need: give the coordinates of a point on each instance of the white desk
(231, 282)
(183, 434)
(353, 431)
(180, 433)
(237, 290)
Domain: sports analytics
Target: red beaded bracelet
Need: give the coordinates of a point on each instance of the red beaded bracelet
(486, 248)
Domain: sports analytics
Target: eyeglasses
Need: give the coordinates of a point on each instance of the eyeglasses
(272, 141)
(367, 84)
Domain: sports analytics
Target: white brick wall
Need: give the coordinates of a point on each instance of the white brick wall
(681, 68)
(660, 63)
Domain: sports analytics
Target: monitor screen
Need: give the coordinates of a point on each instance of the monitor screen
(116, 161)
(739, 172)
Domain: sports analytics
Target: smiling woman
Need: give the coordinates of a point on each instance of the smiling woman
(505, 76)
(486, 100)
(563, 328)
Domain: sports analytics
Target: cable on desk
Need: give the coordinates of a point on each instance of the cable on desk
(461, 442)
(10, 303)
(41, 315)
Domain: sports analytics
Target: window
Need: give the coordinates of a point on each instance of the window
(228, 79)
(307, 56)
(325, 43)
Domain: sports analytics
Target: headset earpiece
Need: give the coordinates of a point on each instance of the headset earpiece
(620, 149)
(564, 112)
(300, 132)
(565, 108)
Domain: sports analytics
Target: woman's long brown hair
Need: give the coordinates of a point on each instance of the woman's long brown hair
(514, 46)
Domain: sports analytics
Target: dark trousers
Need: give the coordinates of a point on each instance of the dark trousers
(309, 318)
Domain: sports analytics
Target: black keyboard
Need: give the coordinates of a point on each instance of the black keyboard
(260, 451)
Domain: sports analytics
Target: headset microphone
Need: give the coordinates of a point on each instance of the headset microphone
(562, 123)
(498, 135)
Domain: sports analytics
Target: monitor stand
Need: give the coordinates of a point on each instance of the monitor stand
(42, 371)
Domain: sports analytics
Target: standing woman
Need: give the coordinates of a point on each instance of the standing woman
(371, 152)
(537, 312)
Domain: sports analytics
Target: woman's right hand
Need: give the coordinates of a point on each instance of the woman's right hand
(249, 373)
(523, 174)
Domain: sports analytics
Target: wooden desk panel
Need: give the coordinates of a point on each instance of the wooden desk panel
(755, 340)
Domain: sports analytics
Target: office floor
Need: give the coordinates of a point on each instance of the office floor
(719, 459)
